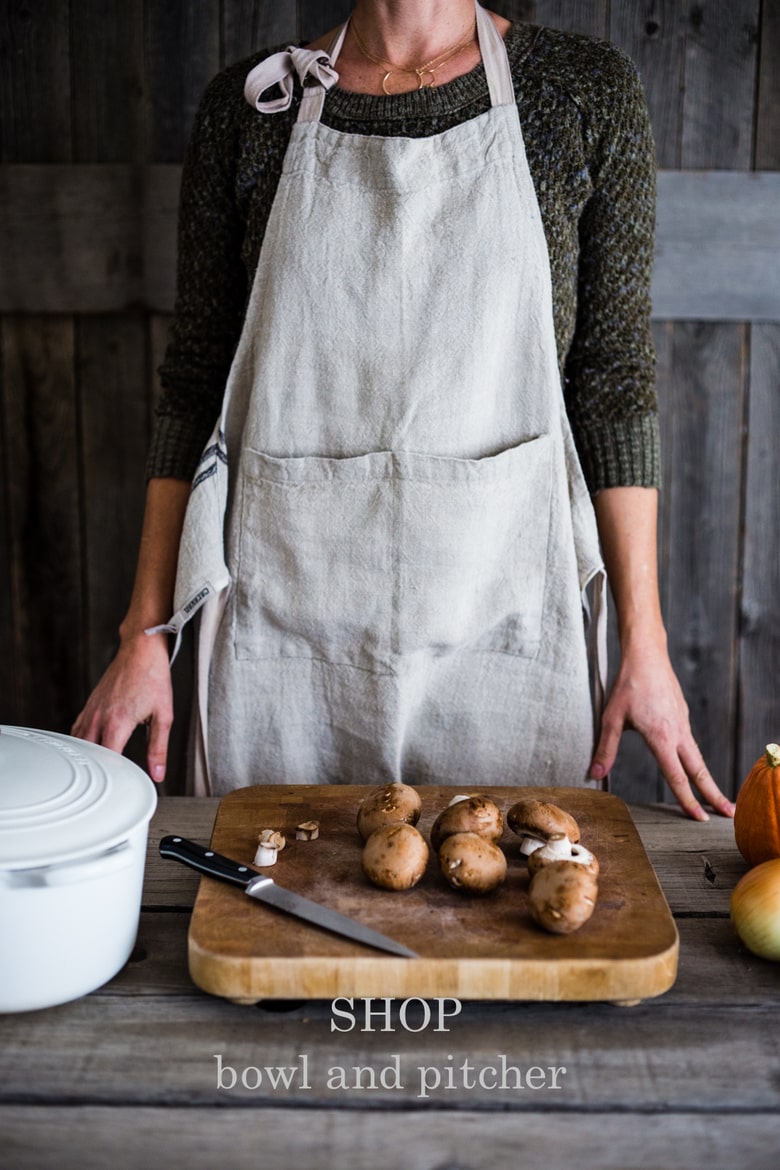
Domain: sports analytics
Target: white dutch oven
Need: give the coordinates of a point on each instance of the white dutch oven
(74, 819)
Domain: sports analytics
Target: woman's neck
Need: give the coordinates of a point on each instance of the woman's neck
(407, 33)
(412, 32)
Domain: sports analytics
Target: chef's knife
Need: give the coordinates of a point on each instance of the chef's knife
(265, 889)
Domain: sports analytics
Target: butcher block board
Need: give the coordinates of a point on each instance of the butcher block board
(469, 947)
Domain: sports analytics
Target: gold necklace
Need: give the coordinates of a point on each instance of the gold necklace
(422, 71)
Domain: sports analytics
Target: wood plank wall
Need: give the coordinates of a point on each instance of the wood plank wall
(88, 82)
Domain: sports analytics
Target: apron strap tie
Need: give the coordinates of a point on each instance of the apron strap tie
(279, 69)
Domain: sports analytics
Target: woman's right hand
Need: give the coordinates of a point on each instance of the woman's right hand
(136, 688)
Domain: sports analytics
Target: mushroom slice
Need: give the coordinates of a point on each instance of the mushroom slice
(562, 896)
(269, 843)
(388, 805)
(560, 848)
(307, 831)
(395, 856)
(470, 862)
(535, 821)
(472, 814)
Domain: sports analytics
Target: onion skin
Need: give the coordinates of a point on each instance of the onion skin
(755, 910)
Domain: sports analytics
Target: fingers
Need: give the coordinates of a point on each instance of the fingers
(701, 777)
(682, 766)
(606, 751)
(157, 751)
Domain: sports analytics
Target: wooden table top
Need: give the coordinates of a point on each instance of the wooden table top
(129, 1076)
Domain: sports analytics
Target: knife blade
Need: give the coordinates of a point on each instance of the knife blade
(265, 889)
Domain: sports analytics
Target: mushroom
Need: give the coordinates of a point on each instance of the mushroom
(472, 862)
(535, 821)
(560, 848)
(469, 814)
(307, 831)
(387, 805)
(562, 896)
(269, 843)
(395, 856)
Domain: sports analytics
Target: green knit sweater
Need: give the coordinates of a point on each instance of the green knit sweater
(591, 157)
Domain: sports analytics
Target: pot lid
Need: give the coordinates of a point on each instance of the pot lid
(62, 798)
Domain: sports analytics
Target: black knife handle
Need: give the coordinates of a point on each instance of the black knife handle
(206, 860)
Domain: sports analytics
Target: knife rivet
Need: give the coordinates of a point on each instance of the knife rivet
(177, 840)
(208, 853)
(242, 869)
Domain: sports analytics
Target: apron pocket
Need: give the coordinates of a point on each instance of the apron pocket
(473, 537)
(363, 559)
(315, 560)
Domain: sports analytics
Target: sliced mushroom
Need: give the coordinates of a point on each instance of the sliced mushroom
(269, 843)
(471, 814)
(387, 805)
(395, 856)
(560, 848)
(472, 862)
(562, 896)
(535, 821)
(307, 831)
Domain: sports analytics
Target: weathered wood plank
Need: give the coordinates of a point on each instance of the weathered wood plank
(113, 395)
(87, 238)
(90, 1138)
(759, 635)
(703, 474)
(717, 246)
(316, 17)
(721, 64)
(41, 430)
(249, 25)
(653, 36)
(182, 55)
(143, 1050)
(103, 238)
(768, 108)
(35, 121)
(589, 17)
(107, 83)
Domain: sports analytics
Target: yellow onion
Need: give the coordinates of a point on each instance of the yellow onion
(755, 909)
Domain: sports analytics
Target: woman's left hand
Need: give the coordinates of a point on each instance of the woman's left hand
(647, 696)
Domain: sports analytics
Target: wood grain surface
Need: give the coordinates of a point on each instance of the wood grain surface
(469, 947)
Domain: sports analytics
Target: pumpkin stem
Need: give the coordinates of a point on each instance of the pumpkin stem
(773, 755)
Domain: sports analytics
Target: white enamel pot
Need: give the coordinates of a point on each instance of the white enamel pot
(74, 820)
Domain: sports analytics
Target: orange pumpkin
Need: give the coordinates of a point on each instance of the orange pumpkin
(757, 815)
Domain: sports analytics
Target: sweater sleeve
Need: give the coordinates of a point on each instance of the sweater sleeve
(609, 369)
(211, 289)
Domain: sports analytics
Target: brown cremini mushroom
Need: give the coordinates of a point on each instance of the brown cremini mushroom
(387, 805)
(535, 821)
(395, 856)
(468, 814)
(562, 896)
(471, 862)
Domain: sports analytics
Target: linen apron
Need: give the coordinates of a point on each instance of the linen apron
(389, 536)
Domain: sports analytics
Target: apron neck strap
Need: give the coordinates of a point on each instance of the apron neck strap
(494, 59)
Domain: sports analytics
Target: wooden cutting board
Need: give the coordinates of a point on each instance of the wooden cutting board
(469, 947)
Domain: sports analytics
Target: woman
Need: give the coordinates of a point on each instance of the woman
(408, 528)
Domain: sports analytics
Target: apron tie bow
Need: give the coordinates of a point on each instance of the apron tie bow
(279, 69)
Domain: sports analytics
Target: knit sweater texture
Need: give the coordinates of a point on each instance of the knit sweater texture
(590, 152)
